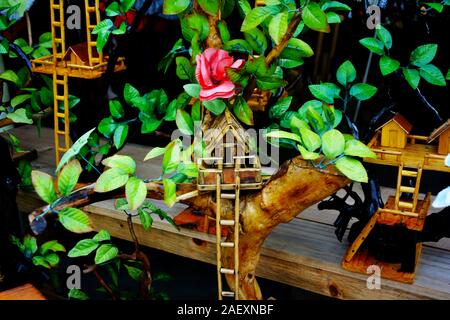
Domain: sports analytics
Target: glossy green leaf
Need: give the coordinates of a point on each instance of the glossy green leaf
(356, 148)
(21, 98)
(171, 157)
(116, 109)
(68, 178)
(77, 294)
(52, 245)
(279, 134)
(111, 179)
(326, 92)
(432, 74)
(385, 36)
(155, 152)
(216, 106)
(352, 169)
(10, 75)
(135, 192)
(278, 26)
(270, 83)
(335, 5)
(75, 149)
(75, 220)
(20, 116)
(363, 91)
(412, 77)
(83, 248)
(257, 15)
(374, 45)
(105, 253)
(184, 122)
(146, 219)
(170, 192)
(210, 6)
(310, 139)
(388, 65)
(296, 49)
(184, 68)
(280, 108)
(238, 45)
(243, 111)
(192, 89)
(423, 54)
(314, 18)
(43, 184)
(102, 235)
(175, 6)
(346, 73)
(40, 261)
(333, 143)
(124, 163)
(120, 135)
(257, 40)
(307, 155)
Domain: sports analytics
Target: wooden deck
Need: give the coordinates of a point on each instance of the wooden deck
(303, 253)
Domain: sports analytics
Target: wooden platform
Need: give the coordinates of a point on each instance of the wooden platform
(25, 292)
(303, 253)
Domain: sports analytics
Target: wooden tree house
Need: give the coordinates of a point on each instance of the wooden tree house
(78, 61)
(228, 168)
(443, 133)
(394, 132)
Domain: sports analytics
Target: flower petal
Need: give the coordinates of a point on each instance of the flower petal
(224, 90)
(205, 76)
(238, 64)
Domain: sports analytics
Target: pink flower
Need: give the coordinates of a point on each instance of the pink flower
(212, 76)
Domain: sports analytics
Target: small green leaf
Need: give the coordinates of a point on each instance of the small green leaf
(280, 108)
(171, 157)
(238, 45)
(279, 134)
(184, 68)
(326, 92)
(184, 122)
(223, 31)
(21, 98)
(120, 135)
(192, 89)
(297, 49)
(352, 169)
(436, 6)
(155, 152)
(374, 45)
(257, 15)
(52, 259)
(116, 109)
(43, 184)
(314, 18)
(20, 116)
(307, 155)
(196, 112)
(216, 106)
(333, 143)
(170, 192)
(130, 93)
(362, 91)
(135, 273)
(136, 192)
(68, 177)
(257, 40)
(75, 293)
(111, 179)
(278, 26)
(333, 17)
(10, 75)
(243, 111)
(40, 261)
(105, 253)
(385, 36)
(432, 74)
(310, 139)
(336, 5)
(423, 54)
(388, 65)
(75, 149)
(209, 6)
(346, 73)
(102, 235)
(52, 245)
(30, 244)
(270, 83)
(75, 220)
(125, 163)
(412, 77)
(356, 148)
(149, 123)
(146, 219)
(113, 9)
(447, 77)
(175, 6)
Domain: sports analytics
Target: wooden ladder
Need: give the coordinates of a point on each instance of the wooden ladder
(61, 117)
(58, 29)
(220, 245)
(409, 173)
(92, 19)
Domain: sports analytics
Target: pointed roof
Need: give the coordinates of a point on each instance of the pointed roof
(80, 50)
(401, 121)
(438, 131)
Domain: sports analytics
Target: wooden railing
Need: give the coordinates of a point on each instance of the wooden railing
(412, 138)
(432, 156)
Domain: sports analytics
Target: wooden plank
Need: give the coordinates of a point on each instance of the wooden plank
(25, 292)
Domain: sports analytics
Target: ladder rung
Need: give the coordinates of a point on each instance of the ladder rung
(227, 222)
(60, 82)
(62, 149)
(227, 293)
(92, 43)
(409, 173)
(56, 6)
(91, 26)
(227, 244)
(403, 204)
(226, 271)
(63, 133)
(57, 40)
(61, 98)
(228, 196)
(90, 9)
(56, 24)
(407, 189)
(60, 115)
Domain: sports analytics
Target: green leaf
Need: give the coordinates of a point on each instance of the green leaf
(356, 148)
(184, 69)
(171, 110)
(297, 49)
(412, 77)
(155, 152)
(346, 73)
(279, 134)
(146, 219)
(362, 91)
(175, 6)
(192, 89)
(75, 293)
(289, 63)
(111, 179)
(171, 157)
(52, 259)
(21, 98)
(40, 261)
(307, 155)
(149, 124)
(52, 245)
(436, 6)
(136, 192)
(184, 122)
(75, 149)
(280, 108)
(120, 135)
(223, 31)
(447, 77)
(188, 169)
(105, 253)
(75, 220)
(170, 192)
(68, 178)
(270, 83)
(107, 126)
(216, 106)
(315, 18)
(374, 45)
(352, 169)
(385, 36)
(130, 93)
(10, 75)
(278, 26)
(30, 244)
(113, 9)
(310, 139)
(238, 45)
(20, 116)
(336, 5)
(243, 111)
(257, 15)
(333, 143)
(126, 5)
(326, 92)
(43, 184)
(333, 17)
(256, 39)
(196, 111)
(116, 109)
(388, 65)
(102, 235)
(125, 163)
(432, 75)
(209, 6)
(135, 273)
(199, 24)
(423, 54)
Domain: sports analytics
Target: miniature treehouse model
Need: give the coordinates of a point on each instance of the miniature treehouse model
(228, 169)
(78, 61)
(404, 213)
(443, 133)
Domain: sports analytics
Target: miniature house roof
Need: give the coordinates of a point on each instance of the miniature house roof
(80, 50)
(438, 131)
(401, 121)
(223, 124)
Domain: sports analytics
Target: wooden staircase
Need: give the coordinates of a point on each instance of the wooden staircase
(408, 173)
(92, 19)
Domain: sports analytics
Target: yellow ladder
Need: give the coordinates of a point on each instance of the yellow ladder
(220, 245)
(61, 117)
(58, 31)
(92, 19)
(409, 173)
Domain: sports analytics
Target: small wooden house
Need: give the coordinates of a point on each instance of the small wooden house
(443, 133)
(77, 55)
(394, 132)
(227, 146)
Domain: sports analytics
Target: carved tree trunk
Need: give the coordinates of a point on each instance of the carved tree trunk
(295, 187)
